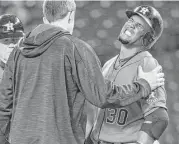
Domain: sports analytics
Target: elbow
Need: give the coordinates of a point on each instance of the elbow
(103, 105)
(111, 104)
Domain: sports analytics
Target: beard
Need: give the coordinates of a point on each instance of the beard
(125, 42)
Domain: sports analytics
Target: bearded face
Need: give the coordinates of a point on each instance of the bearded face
(133, 30)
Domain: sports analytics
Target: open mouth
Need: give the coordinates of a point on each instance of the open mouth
(129, 30)
(128, 33)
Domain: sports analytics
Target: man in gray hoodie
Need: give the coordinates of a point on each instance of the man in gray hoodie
(48, 79)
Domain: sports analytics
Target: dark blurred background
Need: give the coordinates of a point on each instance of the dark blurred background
(99, 23)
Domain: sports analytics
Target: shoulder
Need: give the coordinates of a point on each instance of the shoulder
(82, 45)
(109, 62)
(84, 50)
(64, 41)
(149, 62)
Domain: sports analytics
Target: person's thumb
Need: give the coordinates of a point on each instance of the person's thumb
(140, 70)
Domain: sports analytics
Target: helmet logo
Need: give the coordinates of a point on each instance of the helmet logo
(144, 10)
(9, 27)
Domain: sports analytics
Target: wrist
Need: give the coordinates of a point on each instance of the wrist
(143, 83)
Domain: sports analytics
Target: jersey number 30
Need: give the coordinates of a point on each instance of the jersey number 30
(116, 115)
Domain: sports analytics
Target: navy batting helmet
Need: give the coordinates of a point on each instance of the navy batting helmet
(154, 20)
(10, 26)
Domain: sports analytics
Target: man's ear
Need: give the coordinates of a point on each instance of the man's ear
(45, 20)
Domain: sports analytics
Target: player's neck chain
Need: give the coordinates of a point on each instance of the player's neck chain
(121, 65)
(122, 62)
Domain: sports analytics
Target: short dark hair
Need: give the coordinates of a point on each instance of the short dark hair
(54, 10)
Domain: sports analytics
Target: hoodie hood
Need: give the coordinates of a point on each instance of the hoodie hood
(39, 40)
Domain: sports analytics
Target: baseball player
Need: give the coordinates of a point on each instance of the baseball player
(144, 121)
(11, 31)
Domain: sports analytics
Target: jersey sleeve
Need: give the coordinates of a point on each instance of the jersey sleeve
(158, 97)
(149, 63)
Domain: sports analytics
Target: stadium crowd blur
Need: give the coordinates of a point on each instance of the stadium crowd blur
(99, 23)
